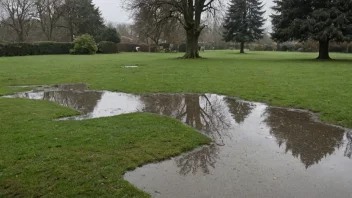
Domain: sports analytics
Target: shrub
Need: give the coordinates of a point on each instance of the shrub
(107, 47)
(84, 44)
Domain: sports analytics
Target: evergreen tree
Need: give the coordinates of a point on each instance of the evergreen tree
(323, 21)
(109, 34)
(83, 17)
(244, 22)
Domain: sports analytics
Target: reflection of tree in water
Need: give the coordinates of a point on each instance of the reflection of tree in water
(202, 112)
(163, 104)
(203, 159)
(205, 113)
(81, 101)
(239, 110)
(348, 151)
(308, 140)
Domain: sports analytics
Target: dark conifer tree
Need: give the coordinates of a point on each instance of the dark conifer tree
(323, 21)
(244, 22)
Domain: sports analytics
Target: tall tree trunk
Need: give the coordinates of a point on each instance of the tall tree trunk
(324, 50)
(242, 48)
(192, 50)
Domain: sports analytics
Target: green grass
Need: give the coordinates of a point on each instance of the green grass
(39, 156)
(42, 157)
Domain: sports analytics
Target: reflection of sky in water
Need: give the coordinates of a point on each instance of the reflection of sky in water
(112, 104)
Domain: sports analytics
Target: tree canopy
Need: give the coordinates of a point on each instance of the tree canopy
(323, 21)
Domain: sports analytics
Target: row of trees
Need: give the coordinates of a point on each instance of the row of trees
(54, 18)
(293, 20)
(184, 20)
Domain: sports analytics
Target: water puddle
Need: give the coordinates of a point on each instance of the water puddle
(130, 66)
(258, 150)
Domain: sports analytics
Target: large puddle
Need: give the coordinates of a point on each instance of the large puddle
(258, 150)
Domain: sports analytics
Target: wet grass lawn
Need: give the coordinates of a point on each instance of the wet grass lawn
(42, 157)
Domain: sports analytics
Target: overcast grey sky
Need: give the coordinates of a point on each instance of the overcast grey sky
(112, 10)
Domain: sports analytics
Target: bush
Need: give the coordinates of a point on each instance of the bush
(107, 47)
(84, 44)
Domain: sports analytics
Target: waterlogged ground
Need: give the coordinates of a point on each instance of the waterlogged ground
(257, 150)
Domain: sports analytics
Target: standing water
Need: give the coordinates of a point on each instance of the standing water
(257, 150)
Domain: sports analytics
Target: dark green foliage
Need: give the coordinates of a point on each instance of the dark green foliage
(84, 44)
(83, 17)
(90, 20)
(244, 21)
(323, 21)
(107, 47)
(42, 48)
(109, 34)
(54, 48)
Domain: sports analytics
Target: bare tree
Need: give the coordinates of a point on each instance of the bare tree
(18, 14)
(49, 12)
(187, 12)
(173, 32)
(125, 30)
(148, 26)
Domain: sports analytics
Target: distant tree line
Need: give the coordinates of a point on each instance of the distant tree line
(52, 20)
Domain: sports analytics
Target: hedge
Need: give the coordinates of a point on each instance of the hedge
(182, 47)
(107, 47)
(41, 48)
(131, 47)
